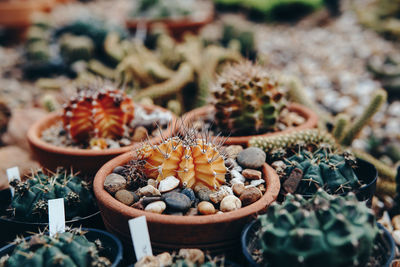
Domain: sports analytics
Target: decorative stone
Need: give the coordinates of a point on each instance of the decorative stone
(156, 207)
(192, 212)
(140, 134)
(252, 158)
(250, 195)
(226, 188)
(147, 200)
(119, 170)
(386, 222)
(230, 203)
(177, 201)
(175, 213)
(114, 182)
(238, 189)
(396, 236)
(190, 194)
(125, 197)
(292, 182)
(193, 255)
(152, 182)
(251, 174)
(205, 208)
(148, 261)
(219, 212)
(233, 151)
(237, 176)
(257, 182)
(148, 191)
(262, 188)
(202, 192)
(164, 259)
(219, 195)
(168, 184)
(396, 222)
(230, 163)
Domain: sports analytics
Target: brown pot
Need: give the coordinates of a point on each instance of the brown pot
(308, 114)
(87, 161)
(218, 233)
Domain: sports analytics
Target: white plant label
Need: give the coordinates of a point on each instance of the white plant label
(56, 216)
(140, 237)
(12, 174)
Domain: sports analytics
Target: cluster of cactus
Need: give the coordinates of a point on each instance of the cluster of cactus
(192, 160)
(305, 172)
(70, 248)
(331, 231)
(245, 37)
(102, 113)
(247, 100)
(29, 202)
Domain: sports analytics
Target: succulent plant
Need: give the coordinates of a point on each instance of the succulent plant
(70, 248)
(74, 48)
(331, 231)
(247, 99)
(190, 159)
(29, 202)
(100, 113)
(305, 172)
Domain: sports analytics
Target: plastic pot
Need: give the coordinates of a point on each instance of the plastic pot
(217, 233)
(249, 235)
(112, 246)
(311, 120)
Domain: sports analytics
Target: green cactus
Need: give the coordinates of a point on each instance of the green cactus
(29, 202)
(38, 51)
(74, 48)
(247, 100)
(341, 122)
(305, 172)
(330, 231)
(69, 249)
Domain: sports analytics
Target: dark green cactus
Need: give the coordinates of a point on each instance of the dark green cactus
(305, 172)
(68, 249)
(326, 230)
(74, 48)
(31, 196)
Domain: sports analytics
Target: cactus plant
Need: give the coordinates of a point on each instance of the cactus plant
(332, 231)
(30, 200)
(74, 48)
(102, 114)
(247, 99)
(70, 248)
(305, 172)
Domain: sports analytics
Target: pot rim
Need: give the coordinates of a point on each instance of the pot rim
(105, 199)
(37, 128)
(310, 116)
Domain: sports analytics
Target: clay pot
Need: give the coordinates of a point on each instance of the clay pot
(310, 117)
(218, 233)
(87, 161)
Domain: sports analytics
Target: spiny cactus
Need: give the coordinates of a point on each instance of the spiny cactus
(305, 172)
(341, 122)
(331, 231)
(192, 160)
(279, 144)
(102, 114)
(29, 202)
(247, 99)
(70, 248)
(74, 48)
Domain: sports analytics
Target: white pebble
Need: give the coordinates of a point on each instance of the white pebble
(156, 207)
(230, 203)
(168, 184)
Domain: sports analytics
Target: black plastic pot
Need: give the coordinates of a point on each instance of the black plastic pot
(249, 234)
(10, 227)
(112, 246)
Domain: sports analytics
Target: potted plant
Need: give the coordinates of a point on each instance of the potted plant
(95, 126)
(324, 230)
(75, 247)
(26, 210)
(186, 192)
(248, 102)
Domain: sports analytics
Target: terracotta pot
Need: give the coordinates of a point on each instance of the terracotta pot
(87, 161)
(310, 117)
(218, 233)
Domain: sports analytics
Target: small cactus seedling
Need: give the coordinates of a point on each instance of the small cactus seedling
(101, 114)
(31, 196)
(326, 230)
(305, 172)
(247, 99)
(70, 248)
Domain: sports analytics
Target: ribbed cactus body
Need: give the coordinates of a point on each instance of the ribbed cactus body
(323, 231)
(247, 99)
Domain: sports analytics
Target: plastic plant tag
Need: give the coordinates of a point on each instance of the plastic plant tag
(140, 237)
(56, 216)
(12, 174)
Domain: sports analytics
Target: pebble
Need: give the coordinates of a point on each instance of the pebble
(257, 182)
(190, 194)
(252, 158)
(167, 184)
(164, 259)
(114, 182)
(148, 191)
(238, 189)
(140, 134)
(193, 255)
(251, 174)
(218, 196)
(156, 207)
(148, 261)
(202, 192)
(262, 188)
(147, 200)
(230, 163)
(233, 151)
(192, 212)
(205, 208)
(386, 222)
(119, 170)
(396, 236)
(250, 195)
(237, 177)
(152, 182)
(396, 222)
(292, 182)
(230, 203)
(177, 201)
(125, 197)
